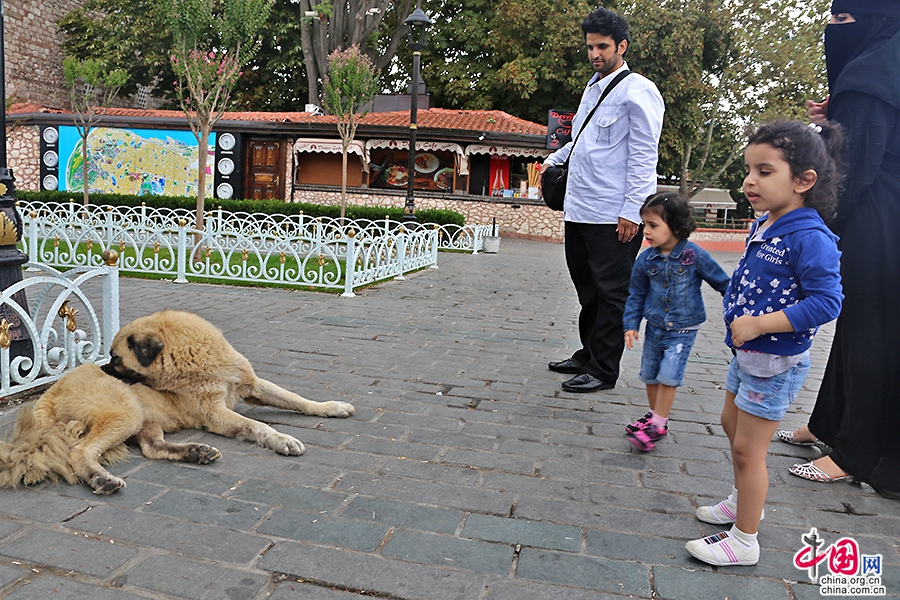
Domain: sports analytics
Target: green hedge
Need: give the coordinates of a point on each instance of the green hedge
(270, 207)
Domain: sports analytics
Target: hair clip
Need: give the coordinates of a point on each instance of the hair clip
(815, 127)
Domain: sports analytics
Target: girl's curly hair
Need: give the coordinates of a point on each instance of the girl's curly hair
(806, 147)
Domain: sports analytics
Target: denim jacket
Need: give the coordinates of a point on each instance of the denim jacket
(665, 290)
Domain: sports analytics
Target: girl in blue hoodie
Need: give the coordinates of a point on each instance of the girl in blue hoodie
(786, 285)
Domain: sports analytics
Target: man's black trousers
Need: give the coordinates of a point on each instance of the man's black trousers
(600, 267)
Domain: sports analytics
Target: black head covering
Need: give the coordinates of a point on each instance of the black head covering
(865, 56)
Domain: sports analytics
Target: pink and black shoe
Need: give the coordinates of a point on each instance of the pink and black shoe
(642, 424)
(645, 439)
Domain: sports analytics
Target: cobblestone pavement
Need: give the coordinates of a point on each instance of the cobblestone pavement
(466, 472)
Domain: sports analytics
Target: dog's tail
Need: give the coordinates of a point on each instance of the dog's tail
(37, 451)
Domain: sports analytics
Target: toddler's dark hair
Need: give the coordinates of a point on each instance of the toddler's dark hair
(806, 147)
(674, 210)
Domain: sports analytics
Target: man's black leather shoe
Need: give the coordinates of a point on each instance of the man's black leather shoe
(586, 383)
(570, 365)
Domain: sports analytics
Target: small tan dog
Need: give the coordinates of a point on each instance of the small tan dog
(169, 371)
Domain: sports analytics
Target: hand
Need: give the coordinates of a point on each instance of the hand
(626, 230)
(631, 336)
(744, 329)
(817, 111)
(541, 174)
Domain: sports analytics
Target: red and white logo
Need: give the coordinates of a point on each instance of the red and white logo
(849, 573)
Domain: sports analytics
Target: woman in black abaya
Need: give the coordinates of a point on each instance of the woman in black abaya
(857, 412)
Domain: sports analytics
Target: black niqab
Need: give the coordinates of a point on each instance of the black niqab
(864, 56)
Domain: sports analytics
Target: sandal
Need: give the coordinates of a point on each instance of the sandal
(787, 436)
(813, 473)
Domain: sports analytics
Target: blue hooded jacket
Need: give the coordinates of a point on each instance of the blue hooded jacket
(794, 268)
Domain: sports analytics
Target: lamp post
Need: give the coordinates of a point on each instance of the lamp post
(11, 259)
(417, 24)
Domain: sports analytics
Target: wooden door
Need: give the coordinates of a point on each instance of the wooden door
(265, 170)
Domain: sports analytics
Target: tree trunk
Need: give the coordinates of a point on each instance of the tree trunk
(344, 182)
(84, 164)
(202, 153)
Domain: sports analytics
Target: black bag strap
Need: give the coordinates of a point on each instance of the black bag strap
(619, 77)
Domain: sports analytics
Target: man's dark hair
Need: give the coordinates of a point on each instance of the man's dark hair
(608, 23)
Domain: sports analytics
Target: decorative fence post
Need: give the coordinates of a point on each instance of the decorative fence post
(33, 237)
(433, 240)
(349, 264)
(110, 300)
(181, 257)
(401, 252)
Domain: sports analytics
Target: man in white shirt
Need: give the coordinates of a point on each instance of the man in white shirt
(612, 170)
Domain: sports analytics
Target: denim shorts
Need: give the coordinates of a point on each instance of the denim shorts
(766, 397)
(665, 355)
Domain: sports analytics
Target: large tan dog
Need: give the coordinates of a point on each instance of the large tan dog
(170, 370)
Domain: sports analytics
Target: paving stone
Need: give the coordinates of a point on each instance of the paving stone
(584, 572)
(69, 552)
(522, 590)
(436, 494)
(173, 535)
(650, 500)
(452, 439)
(673, 583)
(432, 471)
(8, 528)
(194, 478)
(295, 590)
(325, 530)
(297, 497)
(489, 460)
(10, 574)
(48, 586)
(520, 531)
(135, 495)
(446, 551)
(193, 580)
(33, 504)
(402, 514)
(531, 485)
(202, 508)
(353, 571)
(394, 448)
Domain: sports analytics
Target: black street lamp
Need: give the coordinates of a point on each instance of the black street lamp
(417, 24)
(11, 259)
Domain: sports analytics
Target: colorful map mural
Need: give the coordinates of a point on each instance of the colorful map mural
(134, 161)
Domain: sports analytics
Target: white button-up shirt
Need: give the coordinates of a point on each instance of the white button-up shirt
(613, 168)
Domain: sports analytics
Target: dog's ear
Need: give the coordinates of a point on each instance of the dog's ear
(146, 349)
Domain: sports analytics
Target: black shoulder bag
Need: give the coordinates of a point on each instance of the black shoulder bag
(554, 179)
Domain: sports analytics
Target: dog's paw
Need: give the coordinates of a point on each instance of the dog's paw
(285, 444)
(203, 454)
(341, 410)
(106, 484)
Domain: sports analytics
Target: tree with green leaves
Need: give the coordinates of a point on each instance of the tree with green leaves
(722, 65)
(520, 56)
(375, 26)
(350, 85)
(212, 41)
(92, 88)
(121, 35)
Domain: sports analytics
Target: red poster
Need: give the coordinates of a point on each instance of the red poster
(499, 174)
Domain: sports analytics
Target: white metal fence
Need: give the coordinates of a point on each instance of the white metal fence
(287, 250)
(61, 327)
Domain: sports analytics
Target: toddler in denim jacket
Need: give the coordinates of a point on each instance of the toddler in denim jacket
(665, 290)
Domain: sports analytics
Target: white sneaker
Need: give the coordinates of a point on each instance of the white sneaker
(723, 550)
(723, 513)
